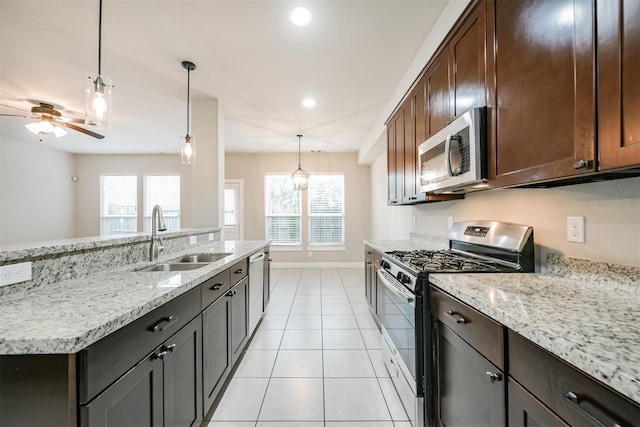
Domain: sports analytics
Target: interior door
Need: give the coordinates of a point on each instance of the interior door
(233, 209)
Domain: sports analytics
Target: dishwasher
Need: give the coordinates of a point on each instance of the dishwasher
(256, 288)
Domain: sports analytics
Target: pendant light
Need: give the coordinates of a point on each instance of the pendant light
(98, 91)
(188, 142)
(300, 177)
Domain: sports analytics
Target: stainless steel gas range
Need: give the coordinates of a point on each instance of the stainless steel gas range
(403, 301)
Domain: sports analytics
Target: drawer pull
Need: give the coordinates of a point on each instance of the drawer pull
(239, 271)
(574, 401)
(217, 286)
(232, 293)
(493, 377)
(163, 324)
(168, 348)
(160, 355)
(459, 319)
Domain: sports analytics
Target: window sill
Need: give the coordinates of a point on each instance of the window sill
(286, 248)
(326, 248)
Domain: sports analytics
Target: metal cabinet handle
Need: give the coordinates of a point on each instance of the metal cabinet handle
(168, 348)
(239, 271)
(459, 319)
(574, 400)
(232, 293)
(163, 324)
(160, 355)
(493, 377)
(583, 164)
(217, 286)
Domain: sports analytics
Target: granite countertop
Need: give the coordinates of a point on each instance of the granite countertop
(592, 326)
(67, 316)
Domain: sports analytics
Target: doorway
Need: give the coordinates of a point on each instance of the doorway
(233, 204)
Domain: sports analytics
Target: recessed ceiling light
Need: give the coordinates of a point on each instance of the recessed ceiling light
(300, 16)
(309, 102)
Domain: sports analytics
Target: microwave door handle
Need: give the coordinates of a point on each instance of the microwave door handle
(447, 155)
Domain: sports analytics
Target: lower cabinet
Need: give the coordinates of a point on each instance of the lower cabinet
(239, 317)
(371, 263)
(216, 339)
(470, 388)
(527, 411)
(164, 389)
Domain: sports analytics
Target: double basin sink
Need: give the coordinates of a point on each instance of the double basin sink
(187, 262)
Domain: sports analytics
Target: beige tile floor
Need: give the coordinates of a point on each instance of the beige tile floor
(315, 360)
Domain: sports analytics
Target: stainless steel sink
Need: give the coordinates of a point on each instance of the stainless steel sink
(184, 266)
(206, 257)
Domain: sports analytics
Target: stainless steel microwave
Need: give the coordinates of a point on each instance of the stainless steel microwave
(454, 159)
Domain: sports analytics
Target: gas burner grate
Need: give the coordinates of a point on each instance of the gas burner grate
(442, 260)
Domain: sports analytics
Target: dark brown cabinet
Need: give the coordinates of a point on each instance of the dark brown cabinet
(618, 26)
(527, 411)
(239, 317)
(438, 113)
(395, 159)
(470, 387)
(266, 277)
(164, 389)
(371, 262)
(542, 109)
(216, 340)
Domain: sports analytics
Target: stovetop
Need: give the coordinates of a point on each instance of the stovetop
(444, 261)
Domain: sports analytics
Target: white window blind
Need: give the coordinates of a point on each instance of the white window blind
(283, 209)
(163, 190)
(326, 209)
(118, 204)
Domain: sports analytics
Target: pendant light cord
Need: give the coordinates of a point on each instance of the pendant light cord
(100, 39)
(299, 162)
(188, 86)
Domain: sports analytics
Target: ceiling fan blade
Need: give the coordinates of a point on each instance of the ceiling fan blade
(72, 120)
(15, 108)
(79, 129)
(15, 115)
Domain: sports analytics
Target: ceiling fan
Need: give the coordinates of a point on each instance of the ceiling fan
(51, 120)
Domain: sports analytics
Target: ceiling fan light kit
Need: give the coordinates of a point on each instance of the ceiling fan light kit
(188, 142)
(300, 177)
(99, 91)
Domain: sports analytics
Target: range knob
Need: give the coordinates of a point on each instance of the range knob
(403, 278)
(384, 264)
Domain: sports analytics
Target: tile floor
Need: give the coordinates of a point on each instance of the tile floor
(315, 360)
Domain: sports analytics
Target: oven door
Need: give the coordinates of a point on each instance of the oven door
(397, 312)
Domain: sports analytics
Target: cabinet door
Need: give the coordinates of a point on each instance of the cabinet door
(134, 400)
(527, 411)
(467, 395)
(239, 317)
(392, 190)
(437, 94)
(183, 376)
(468, 64)
(542, 124)
(618, 23)
(410, 160)
(216, 348)
(266, 281)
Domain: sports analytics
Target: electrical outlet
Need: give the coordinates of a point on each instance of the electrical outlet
(193, 240)
(414, 221)
(15, 273)
(310, 254)
(576, 229)
(450, 222)
(210, 237)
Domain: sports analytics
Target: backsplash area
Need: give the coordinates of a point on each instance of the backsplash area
(73, 258)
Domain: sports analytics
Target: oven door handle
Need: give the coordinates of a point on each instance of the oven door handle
(411, 299)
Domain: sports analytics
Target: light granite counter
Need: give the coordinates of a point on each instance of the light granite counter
(417, 242)
(591, 324)
(69, 315)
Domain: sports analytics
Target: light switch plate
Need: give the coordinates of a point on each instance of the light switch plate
(210, 236)
(450, 222)
(576, 229)
(193, 240)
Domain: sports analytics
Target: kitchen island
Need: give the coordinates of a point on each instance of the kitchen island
(146, 345)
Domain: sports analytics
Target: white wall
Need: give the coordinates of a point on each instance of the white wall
(611, 208)
(89, 167)
(36, 192)
(252, 168)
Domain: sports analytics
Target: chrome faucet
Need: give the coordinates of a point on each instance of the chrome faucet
(157, 224)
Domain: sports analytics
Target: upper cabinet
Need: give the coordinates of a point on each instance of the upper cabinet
(437, 86)
(542, 100)
(618, 45)
(467, 63)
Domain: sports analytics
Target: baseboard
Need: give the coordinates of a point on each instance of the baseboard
(317, 264)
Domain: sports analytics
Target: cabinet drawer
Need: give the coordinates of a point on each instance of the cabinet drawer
(102, 363)
(483, 333)
(214, 288)
(551, 379)
(238, 271)
(372, 255)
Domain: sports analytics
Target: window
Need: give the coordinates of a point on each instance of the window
(118, 204)
(326, 209)
(163, 190)
(283, 208)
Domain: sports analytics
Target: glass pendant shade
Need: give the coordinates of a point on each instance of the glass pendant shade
(188, 149)
(98, 100)
(300, 179)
